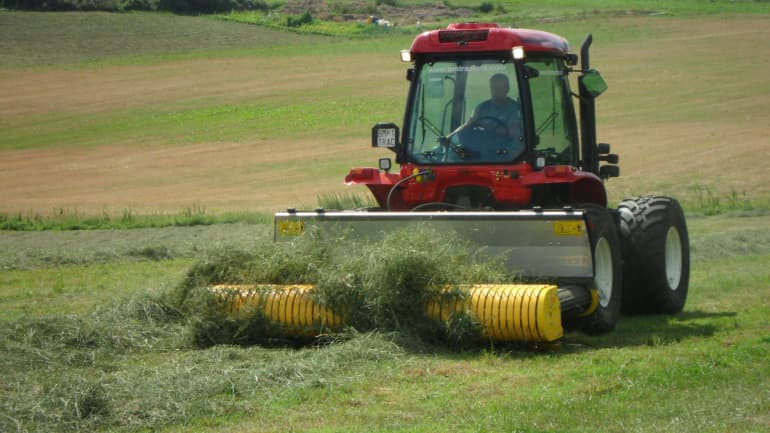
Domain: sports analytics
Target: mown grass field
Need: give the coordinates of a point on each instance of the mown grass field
(150, 115)
(86, 347)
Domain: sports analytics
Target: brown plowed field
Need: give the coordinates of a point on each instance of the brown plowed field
(216, 176)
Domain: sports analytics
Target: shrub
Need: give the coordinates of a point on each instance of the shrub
(176, 6)
(486, 7)
(305, 18)
(140, 5)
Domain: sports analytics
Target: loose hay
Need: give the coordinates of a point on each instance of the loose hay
(379, 286)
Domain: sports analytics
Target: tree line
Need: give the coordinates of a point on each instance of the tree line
(176, 6)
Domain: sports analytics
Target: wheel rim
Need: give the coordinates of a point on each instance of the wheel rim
(603, 271)
(673, 258)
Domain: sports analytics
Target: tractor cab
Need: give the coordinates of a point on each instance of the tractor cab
(490, 109)
(482, 94)
(490, 124)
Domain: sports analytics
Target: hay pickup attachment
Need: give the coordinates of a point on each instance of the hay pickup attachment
(492, 150)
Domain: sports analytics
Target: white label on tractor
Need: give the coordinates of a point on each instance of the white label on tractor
(386, 137)
(472, 68)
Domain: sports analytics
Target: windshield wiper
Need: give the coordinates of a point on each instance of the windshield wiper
(459, 150)
(430, 125)
(546, 123)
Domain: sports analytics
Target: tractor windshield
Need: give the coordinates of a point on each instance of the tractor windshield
(465, 111)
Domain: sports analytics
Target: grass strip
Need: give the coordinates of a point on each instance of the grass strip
(64, 219)
(698, 201)
(322, 113)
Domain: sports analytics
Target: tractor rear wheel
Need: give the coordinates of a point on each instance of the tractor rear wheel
(605, 246)
(656, 255)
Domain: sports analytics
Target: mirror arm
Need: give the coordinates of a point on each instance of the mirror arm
(578, 97)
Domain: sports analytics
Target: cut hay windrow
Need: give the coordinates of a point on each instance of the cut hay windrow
(413, 281)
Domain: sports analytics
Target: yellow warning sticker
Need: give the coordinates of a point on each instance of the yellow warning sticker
(291, 227)
(568, 228)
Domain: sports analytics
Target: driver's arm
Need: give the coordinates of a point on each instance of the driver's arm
(515, 124)
(473, 118)
(513, 128)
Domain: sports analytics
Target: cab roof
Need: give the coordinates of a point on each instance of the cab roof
(480, 37)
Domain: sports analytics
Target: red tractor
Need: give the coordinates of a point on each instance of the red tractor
(491, 147)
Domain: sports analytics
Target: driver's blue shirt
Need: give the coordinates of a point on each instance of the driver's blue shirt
(508, 113)
(490, 143)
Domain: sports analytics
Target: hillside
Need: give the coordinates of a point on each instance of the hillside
(257, 119)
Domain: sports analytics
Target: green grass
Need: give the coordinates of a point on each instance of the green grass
(96, 347)
(64, 219)
(700, 201)
(77, 289)
(45, 249)
(347, 200)
(703, 200)
(724, 237)
(39, 39)
(272, 117)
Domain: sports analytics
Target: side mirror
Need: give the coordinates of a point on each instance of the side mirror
(385, 135)
(530, 72)
(593, 82)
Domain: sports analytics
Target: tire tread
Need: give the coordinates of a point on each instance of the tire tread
(644, 224)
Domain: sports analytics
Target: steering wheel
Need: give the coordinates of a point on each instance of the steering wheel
(478, 125)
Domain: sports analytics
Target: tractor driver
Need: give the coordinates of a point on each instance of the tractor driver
(500, 113)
